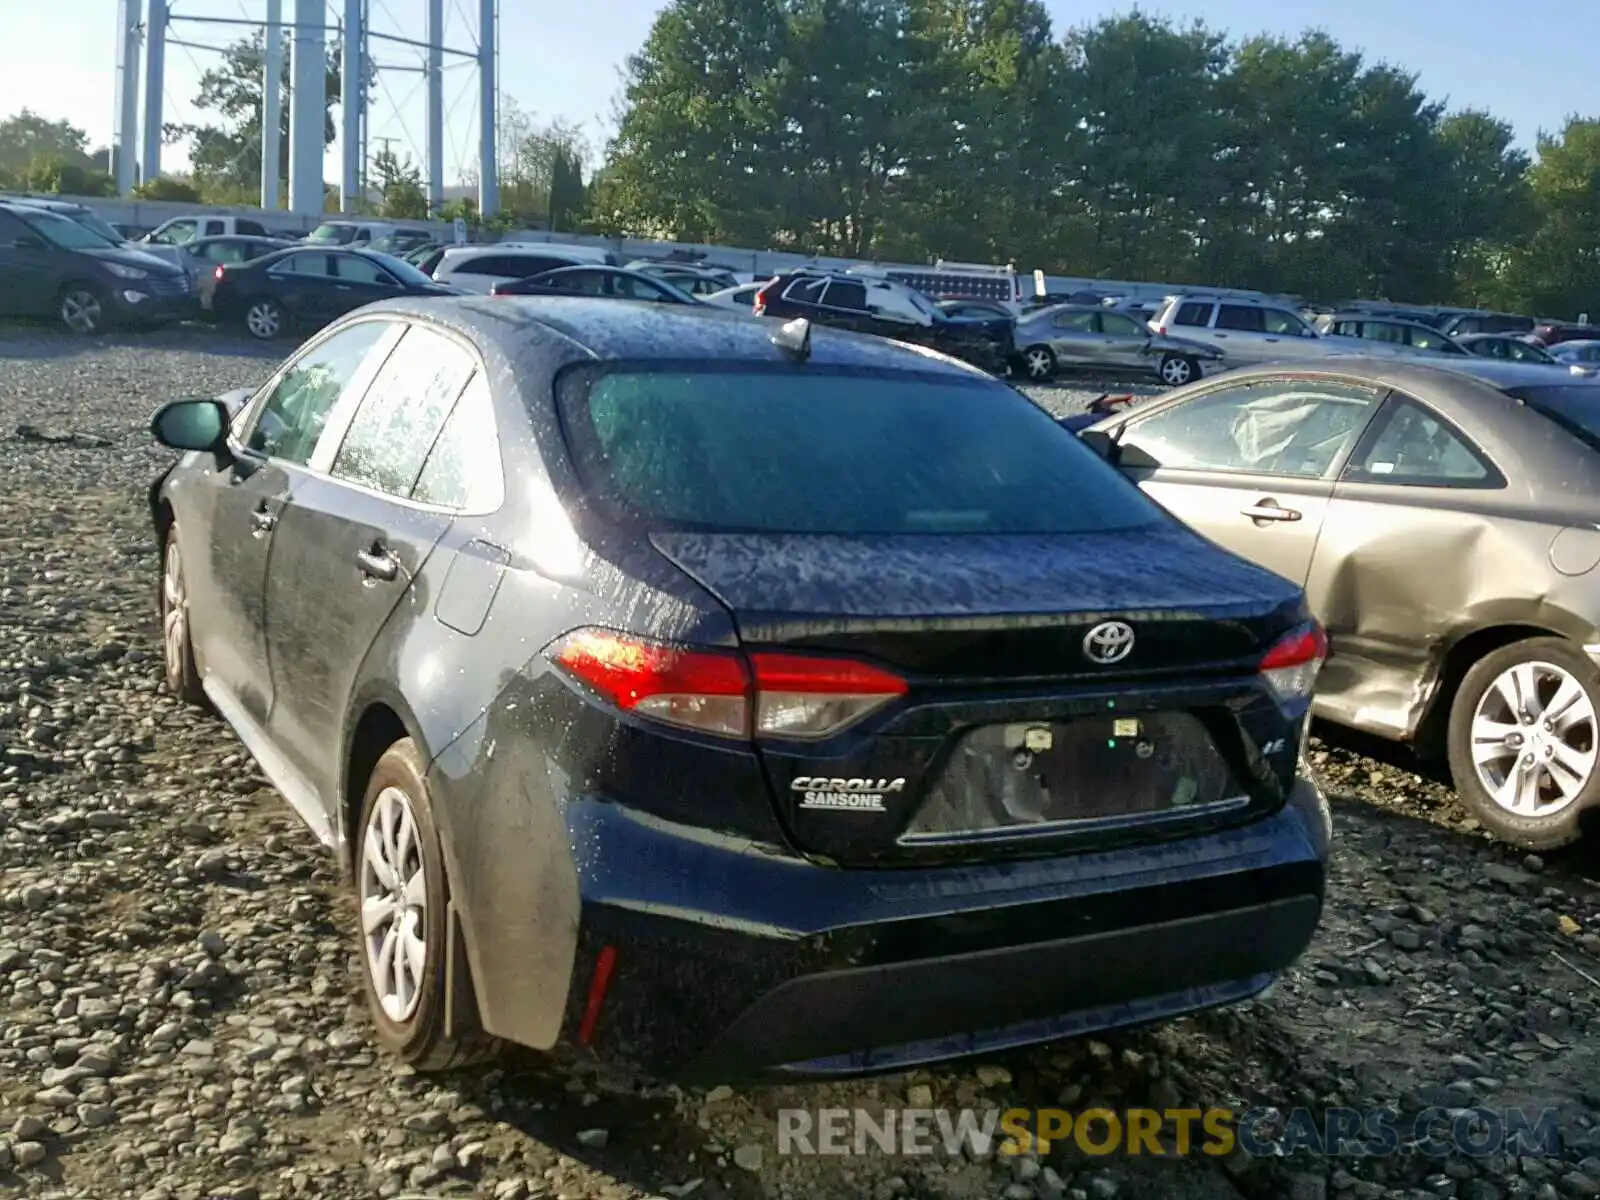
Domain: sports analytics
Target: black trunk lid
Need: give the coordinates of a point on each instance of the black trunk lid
(1012, 738)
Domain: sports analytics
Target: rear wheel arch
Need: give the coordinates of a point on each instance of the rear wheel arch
(1466, 651)
(377, 728)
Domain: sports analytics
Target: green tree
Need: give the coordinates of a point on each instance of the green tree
(165, 187)
(227, 154)
(401, 186)
(1556, 270)
(28, 138)
(567, 197)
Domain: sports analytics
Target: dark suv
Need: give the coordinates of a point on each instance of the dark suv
(55, 266)
(868, 304)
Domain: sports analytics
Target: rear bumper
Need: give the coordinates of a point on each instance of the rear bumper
(734, 964)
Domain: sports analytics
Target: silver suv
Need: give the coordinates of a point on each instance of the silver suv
(1250, 331)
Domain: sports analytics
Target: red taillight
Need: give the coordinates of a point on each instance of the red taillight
(217, 274)
(1290, 668)
(764, 295)
(1162, 330)
(724, 693)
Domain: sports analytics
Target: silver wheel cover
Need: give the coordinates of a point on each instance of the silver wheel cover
(1533, 739)
(394, 899)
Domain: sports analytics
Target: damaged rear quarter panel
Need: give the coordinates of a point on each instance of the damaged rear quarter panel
(1399, 578)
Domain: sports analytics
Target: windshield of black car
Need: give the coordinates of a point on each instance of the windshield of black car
(1573, 406)
(813, 450)
(67, 234)
(95, 225)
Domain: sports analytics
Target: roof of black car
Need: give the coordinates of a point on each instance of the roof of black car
(625, 329)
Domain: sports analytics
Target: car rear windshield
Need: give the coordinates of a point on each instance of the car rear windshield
(813, 451)
(1574, 406)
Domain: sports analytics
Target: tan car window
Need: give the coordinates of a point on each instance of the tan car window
(1283, 427)
(1416, 445)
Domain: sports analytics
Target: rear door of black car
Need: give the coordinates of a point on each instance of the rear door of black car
(28, 274)
(351, 541)
(304, 283)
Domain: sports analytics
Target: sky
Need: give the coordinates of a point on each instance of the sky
(562, 59)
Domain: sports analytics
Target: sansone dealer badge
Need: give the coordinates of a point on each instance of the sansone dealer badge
(857, 795)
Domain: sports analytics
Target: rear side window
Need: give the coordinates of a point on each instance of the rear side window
(463, 470)
(403, 412)
(1193, 313)
(1240, 317)
(812, 451)
(255, 228)
(805, 291)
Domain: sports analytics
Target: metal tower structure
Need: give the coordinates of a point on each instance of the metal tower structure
(309, 31)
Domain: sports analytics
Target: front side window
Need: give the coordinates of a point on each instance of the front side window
(1121, 325)
(818, 451)
(179, 233)
(1075, 322)
(1283, 324)
(1290, 427)
(1416, 446)
(357, 269)
(293, 416)
(402, 413)
(315, 265)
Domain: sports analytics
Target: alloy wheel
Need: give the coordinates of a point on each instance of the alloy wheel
(263, 320)
(1040, 362)
(174, 611)
(1534, 739)
(394, 901)
(1176, 371)
(81, 310)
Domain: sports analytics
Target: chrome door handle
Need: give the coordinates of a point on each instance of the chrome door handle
(1269, 510)
(263, 520)
(377, 564)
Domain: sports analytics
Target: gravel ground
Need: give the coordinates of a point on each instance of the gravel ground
(178, 1015)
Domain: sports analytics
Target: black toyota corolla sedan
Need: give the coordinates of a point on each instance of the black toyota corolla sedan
(736, 699)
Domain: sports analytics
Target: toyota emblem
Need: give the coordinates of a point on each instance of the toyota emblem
(1108, 642)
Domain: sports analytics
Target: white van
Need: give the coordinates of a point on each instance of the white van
(479, 268)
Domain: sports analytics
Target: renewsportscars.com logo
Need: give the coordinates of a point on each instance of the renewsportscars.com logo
(1171, 1132)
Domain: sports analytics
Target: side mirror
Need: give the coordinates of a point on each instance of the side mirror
(1103, 442)
(191, 425)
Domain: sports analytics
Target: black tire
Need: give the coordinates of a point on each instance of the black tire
(179, 672)
(264, 318)
(419, 1037)
(81, 308)
(1529, 832)
(1038, 362)
(1178, 369)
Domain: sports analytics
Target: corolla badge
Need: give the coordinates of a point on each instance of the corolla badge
(1108, 642)
(855, 795)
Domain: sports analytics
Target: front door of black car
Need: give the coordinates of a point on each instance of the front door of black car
(351, 543)
(305, 284)
(242, 503)
(361, 281)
